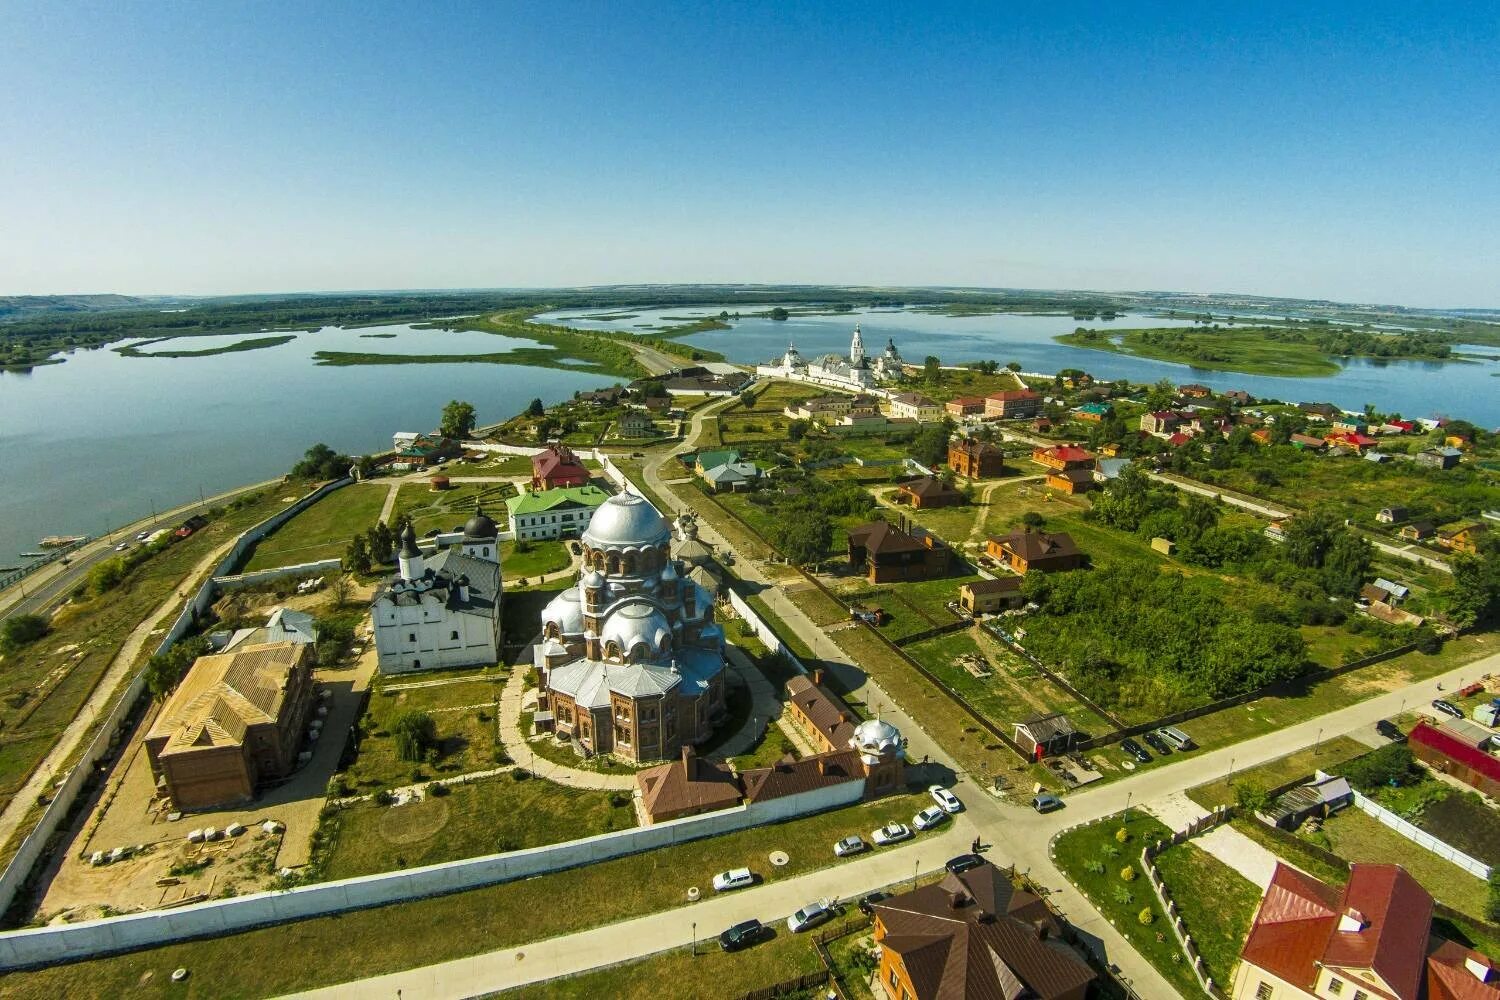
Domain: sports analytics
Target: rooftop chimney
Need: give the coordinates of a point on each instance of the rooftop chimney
(817, 676)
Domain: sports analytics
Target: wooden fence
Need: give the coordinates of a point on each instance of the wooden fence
(788, 986)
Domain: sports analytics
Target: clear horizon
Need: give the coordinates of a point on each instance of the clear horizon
(1346, 153)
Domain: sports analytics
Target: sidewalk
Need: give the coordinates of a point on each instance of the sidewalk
(519, 748)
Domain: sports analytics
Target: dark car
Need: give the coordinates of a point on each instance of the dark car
(1388, 729)
(1156, 743)
(963, 863)
(1135, 750)
(1447, 708)
(867, 903)
(743, 935)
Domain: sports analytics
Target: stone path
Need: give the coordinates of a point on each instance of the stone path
(519, 748)
(390, 502)
(1226, 843)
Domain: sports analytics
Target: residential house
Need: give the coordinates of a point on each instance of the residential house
(1261, 435)
(1392, 514)
(687, 786)
(1319, 411)
(965, 406)
(915, 406)
(820, 714)
(1012, 404)
(1161, 422)
(658, 406)
(975, 934)
(705, 460)
(635, 423)
(928, 492)
(1321, 797)
(1179, 439)
(1307, 442)
(1417, 530)
(1071, 481)
(1062, 457)
(233, 724)
(732, 476)
(424, 451)
(1025, 549)
(1079, 380)
(1464, 538)
(975, 459)
(707, 384)
(1106, 469)
(1239, 397)
(1350, 425)
(988, 597)
(1276, 530)
(1041, 425)
(1397, 592)
(608, 396)
(1398, 427)
(1195, 391)
(1458, 752)
(1093, 412)
(1439, 458)
(1351, 441)
(557, 513)
(1458, 441)
(556, 466)
(821, 408)
(1046, 735)
(884, 553)
(1371, 940)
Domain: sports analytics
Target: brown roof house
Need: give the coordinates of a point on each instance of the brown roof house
(1024, 550)
(819, 713)
(686, 787)
(986, 597)
(1373, 938)
(1071, 481)
(233, 724)
(884, 553)
(927, 492)
(974, 935)
(1046, 735)
(975, 459)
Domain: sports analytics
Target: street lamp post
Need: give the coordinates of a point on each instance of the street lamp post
(915, 865)
(1318, 743)
(695, 939)
(1127, 805)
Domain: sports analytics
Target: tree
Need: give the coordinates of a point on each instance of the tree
(1475, 596)
(804, 538)
(414, 732)
(930, 446)
(536, 409)
(1014, 366)
(22, 630)
(1347, 563)
(796, 430)
(107, 575)
(165, 670)
(322, 462)
(1250, 797)
(1161, 395)
(342, 586)
(779, 313)
(458, 420)
(380, 542)
(356, 556)
(932, 369)
(1492, 904)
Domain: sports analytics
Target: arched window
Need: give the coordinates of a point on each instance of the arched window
(613, 563)
(611, 650)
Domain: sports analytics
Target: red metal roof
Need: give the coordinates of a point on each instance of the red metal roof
(1430, 736)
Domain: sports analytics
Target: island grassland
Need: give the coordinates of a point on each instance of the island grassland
(252, 344)
(1260, 350)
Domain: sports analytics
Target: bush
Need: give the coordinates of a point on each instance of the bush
(1492, 904)
(1127, 873)
(20, 630)
(1094, 867)
(1123, 896)
(1250, 797)
(1146, 917)
(437, 790)
(520, 774)
(1390, 765)
(1122, 835)
(414, 732)
(384, 797)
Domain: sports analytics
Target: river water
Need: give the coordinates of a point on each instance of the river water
(99, 440)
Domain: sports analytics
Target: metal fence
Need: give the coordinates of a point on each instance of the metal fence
(1421, 837)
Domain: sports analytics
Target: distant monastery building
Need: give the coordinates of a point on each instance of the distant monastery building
(856, 373)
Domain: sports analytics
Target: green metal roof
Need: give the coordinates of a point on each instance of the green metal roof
(714, 459)
(544, 500)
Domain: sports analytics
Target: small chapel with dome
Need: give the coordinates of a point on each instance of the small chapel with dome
(631, 661)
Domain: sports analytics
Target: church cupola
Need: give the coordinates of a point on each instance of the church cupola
(857, 348)
(409, 556)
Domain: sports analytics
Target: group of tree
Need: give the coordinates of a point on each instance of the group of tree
(322, 462)
(21, 630)
(164, 671)
(930, 446)
(802, 526)
(458, 420)
(1475, 596)
(375, 545)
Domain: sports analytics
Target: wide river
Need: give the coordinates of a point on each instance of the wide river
(103, 439)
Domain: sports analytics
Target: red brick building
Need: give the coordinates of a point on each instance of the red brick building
(885, 554)
(1012, 404)
(557, 466)
(975, 459)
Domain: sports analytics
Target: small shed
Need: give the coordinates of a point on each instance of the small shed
(1046, 735)
(1316, 798)
(1163, 545)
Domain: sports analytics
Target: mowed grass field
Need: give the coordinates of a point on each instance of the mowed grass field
(323, 530)
(446, 510)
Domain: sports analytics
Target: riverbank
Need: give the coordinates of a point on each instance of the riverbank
(253, 344)
(1254, 350)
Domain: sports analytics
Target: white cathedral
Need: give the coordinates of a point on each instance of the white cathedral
(856, 373)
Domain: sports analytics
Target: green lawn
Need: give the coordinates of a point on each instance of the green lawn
(466, 741)
(538, 559)
(1216, 903)
(489, 816)
(323, 530)
(1274, 773)
(321, 951)
(1120, 901)
(1239, 350)
(1012, 693)
(1356, 836)
(447, 510)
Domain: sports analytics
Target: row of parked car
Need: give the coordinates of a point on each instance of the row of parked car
(1164, 741)
(748, 932)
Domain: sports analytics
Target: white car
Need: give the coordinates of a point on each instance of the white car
(929, 818)
(809, 917)
(891, 833)
(850, 845)
(945, 799)
(735, 878)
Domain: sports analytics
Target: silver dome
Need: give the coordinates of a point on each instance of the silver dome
(566, 612)
(633, 623)
(626, 520)
(876, 738)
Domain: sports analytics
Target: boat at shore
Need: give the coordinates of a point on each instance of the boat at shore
(61, 541)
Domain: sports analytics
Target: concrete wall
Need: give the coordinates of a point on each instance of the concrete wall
(32, 848)
(763, 631)
(241, 580)
(42, 945)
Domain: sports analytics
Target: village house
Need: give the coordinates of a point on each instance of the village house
(915, 406)
(820, 408)
(1439, 458)
(732, 476)
(1195, 391)
(975, 459)
(1392, 514)
(928, 492)
(974, 934)
(1093, 412)
(635, 423)
(1464, 538)
(965, 406)
(1321, 798)
(988, 597)
(1307, 442)
(820, 714)
(883, 553)
(556, 513)
(1012, 404)
(712, 459)
(608, 396)
(1107, 469)
(1459, 751)
(1046, 735)
(1071, 481)
(1025, 549)
(1261, 436)
(1161, 422)
(1372, 938)
(1239, 397)
(1319, 411)
(1417, 530)
(556, 465)
(233, 724)
(1350, 425)
(1062, 457)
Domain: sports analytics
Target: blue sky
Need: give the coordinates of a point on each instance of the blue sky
(1348, 152)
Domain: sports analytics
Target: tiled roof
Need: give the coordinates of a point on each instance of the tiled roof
(1292, 926)
(1032, 545)
(788, 777)
(999, 585)
(928, 487)
(823, 708)
(562, 496)
(1451, 973)
(688, 783)
(880, 537)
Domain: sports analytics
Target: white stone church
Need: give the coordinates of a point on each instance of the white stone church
(856, 373)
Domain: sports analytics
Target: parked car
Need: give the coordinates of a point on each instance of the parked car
(867, 903)
(1447, 708)
(945, 799)
(1135, 750)
(1155, 742)
(1392, 732)
(743, 935)
(850, 845)
(1046, 803)
(928, 818)
(963, 863)
(1178, 738)
(735, 878)
(891, 833)
(810, 916)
